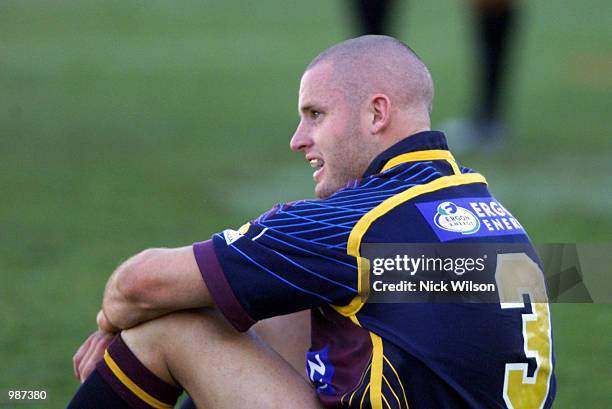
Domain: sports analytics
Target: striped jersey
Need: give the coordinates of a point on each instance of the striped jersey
(421, 355)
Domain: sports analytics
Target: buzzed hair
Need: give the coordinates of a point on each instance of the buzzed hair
(379, 64)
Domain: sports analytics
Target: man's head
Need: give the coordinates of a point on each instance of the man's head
(357, 99)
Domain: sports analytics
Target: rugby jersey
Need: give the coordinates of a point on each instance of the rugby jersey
(308, 255)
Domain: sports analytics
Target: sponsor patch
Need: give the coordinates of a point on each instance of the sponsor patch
(320, 370)
(453, 219)
(231, 235)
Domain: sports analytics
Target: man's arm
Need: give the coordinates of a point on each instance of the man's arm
(152, 283)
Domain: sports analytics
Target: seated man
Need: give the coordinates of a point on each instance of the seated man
(183, 316)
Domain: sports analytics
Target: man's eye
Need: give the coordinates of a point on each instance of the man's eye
(315, 114)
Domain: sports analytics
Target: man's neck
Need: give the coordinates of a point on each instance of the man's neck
(396, 136)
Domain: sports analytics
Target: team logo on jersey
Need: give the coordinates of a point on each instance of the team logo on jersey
(231, 235)
(320, 371)
(451, 217)
(464, 217)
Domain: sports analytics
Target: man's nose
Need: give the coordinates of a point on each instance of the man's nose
(300, 139)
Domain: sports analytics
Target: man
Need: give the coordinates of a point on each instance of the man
(364, 109)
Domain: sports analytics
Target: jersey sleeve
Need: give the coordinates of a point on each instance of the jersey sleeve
(289, 259)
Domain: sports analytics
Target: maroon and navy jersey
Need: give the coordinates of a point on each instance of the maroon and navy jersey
(307, 255)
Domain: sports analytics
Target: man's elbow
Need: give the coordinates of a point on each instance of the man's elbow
(131, 290)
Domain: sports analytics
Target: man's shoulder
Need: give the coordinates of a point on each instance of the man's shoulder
(414, 202)
(448, 208)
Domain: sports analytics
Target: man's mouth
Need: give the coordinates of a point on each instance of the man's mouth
(318, 165)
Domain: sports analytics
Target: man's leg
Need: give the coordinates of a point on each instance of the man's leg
(495, 25)
(289, 336)
(218, 366)
(371, 16)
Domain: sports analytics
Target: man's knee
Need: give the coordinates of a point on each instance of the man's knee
(178, 327)
(165, 329)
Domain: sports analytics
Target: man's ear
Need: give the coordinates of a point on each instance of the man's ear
(380, 110)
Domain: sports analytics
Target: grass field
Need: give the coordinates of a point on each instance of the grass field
(131, 124)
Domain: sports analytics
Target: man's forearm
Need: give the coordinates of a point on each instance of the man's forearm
(153, 283)
(125, 304)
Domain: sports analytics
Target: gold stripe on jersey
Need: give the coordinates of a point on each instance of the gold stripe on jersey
(434, 154)
(365, 392)
(399, 403)
(386, 401)
(376, 373)
(398, 380)
(360, 228)
(363, 377)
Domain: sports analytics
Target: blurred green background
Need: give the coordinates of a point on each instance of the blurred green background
(131, 124)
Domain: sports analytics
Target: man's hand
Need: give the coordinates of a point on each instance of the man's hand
(104, 324)
(92, 351)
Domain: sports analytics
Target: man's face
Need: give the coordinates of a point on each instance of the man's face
(331, 132)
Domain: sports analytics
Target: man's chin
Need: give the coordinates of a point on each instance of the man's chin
(323, 190)
(319, 194)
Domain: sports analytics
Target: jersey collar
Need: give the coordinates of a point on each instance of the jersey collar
(426, 145)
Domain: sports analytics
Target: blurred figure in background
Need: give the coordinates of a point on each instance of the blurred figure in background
(494, 23)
